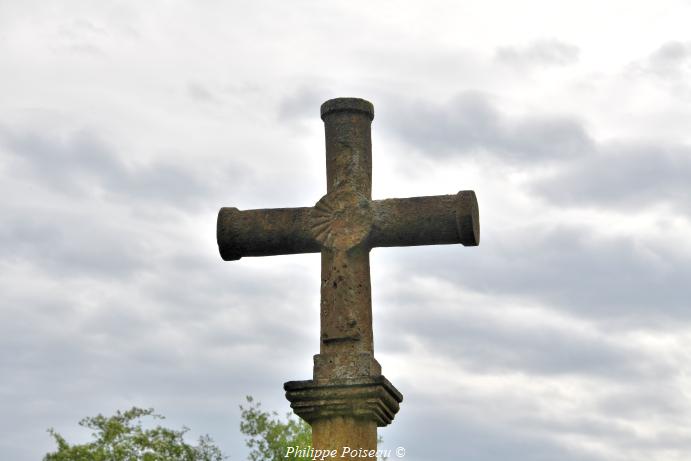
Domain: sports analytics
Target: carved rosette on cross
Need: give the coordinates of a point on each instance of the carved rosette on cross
(348, 397)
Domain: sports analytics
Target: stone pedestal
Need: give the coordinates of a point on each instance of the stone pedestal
(344, 414)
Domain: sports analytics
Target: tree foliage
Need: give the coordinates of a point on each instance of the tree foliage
(122, 438)
(268, 436)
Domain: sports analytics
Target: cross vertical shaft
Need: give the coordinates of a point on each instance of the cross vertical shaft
(346, 341)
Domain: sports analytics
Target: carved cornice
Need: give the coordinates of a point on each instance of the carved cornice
(373, 398)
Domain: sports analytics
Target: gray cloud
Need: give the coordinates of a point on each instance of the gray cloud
(304, 103)
(470, 124)
(200, 92)
(625, 177)
(483, 343)
(546, 52)
(83, 164)
(670, 61)
(69, 244)
(473, 439)
(617, 280)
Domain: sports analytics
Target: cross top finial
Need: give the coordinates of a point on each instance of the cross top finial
(347, 104)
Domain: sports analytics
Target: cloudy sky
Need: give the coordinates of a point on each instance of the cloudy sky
(125, 125)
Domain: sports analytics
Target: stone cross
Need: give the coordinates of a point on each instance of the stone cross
(348, 397)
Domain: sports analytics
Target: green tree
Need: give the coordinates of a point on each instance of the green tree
(268, 436)
(122, 438)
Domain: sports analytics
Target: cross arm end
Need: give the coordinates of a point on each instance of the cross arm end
(263, 232)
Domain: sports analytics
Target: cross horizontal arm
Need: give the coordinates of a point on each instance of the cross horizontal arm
(436, 220)
(264, 232)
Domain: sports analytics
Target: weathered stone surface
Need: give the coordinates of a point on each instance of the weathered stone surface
(341, 220)
(345, 219)
(346, 437)
(374, 399)
(436, 220)
(266, 232)
(347, 397)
